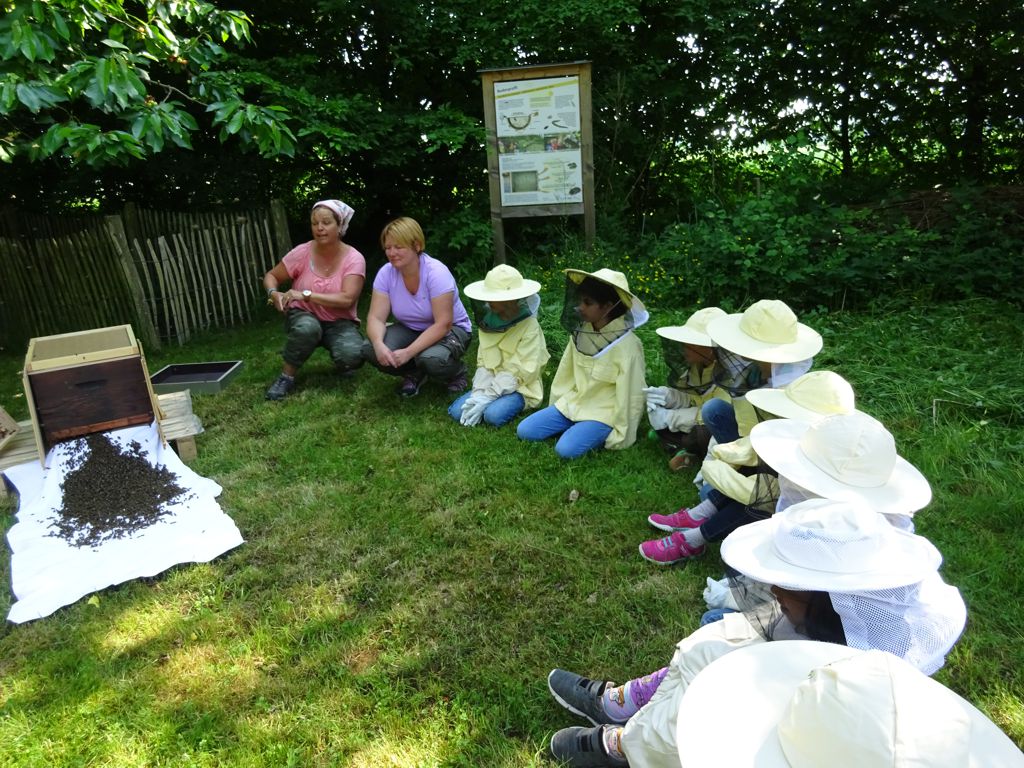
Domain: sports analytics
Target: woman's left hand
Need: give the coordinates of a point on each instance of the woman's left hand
(402, 356)
(280, 300)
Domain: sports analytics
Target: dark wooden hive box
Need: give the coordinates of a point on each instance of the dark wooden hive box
(86, 382)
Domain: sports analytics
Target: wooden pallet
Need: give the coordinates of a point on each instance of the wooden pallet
(177, 422)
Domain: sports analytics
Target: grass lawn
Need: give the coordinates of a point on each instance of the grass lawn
(406, 583)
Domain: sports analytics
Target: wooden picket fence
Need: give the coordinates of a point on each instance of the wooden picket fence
(167, 274)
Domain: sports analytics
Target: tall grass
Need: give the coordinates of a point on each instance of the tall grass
(406, 583)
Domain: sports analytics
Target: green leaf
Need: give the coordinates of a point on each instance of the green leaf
(102, 75)
(28, 96)
(8, 96)
(236, 122)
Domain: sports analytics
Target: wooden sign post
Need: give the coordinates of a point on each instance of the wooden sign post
(540, 148)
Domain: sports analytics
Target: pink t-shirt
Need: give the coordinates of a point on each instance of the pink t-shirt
(413, 310)
(298, 262)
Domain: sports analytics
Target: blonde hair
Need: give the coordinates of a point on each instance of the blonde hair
(405, 232)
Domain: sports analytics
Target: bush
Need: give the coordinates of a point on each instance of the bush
(816, 254)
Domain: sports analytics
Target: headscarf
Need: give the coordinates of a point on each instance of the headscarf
(342, 212)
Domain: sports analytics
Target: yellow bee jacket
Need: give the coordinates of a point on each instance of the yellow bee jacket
(607, 388)
(521, 351)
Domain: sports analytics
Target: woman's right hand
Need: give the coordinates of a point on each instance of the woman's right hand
(385, 356)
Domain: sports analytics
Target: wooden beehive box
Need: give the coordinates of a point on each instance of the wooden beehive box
(85, 382)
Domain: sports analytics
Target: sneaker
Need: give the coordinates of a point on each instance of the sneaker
(579, 695)
(410, 386)
(671, 549)
(677, 521)
(583, 748)
(459, 384)
(282, 385)
(682, 460)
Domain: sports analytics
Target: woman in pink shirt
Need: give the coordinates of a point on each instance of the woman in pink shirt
(326, 277)
(431, 330)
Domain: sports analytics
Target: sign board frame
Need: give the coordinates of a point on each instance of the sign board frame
(540, 146)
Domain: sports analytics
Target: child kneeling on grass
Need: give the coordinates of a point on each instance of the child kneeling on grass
(743, 486)
(674, 410)
(511, 354)
(597, 394)
(764, 346)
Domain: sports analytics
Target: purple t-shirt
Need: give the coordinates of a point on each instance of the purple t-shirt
(413, 310)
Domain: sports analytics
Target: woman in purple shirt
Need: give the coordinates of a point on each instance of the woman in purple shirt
(431, 329)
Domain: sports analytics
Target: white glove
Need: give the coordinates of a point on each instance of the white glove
(666, 397)
(682, 419)
(473, 412)
(718, 595)
(658, 417)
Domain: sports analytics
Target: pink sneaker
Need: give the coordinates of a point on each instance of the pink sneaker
(671, 549)
(677, 521)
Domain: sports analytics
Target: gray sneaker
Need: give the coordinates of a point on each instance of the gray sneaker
(583, 748)
(282, 385)
(579, 695)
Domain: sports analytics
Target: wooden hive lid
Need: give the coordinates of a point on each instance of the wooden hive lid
(62, 350)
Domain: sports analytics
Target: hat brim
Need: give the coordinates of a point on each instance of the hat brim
(778, 403)
(628, 297)
(908, 559)
(725, 332)
(768, 675)
(684, 335)
(777, 443)
(481, 292)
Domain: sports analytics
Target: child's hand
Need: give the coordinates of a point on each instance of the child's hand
(473, 412)
(666, 397)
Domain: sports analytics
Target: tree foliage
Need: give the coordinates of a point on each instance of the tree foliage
(381, 103)
(105, 81)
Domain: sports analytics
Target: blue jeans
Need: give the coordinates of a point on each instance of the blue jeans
(577, 437)
(713, 615)
(498, 412)
(720, 418)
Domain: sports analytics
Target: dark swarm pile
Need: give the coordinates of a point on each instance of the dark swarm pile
(110, 492)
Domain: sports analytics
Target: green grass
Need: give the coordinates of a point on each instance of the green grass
(406, 583)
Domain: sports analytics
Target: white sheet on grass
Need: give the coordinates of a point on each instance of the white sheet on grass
(48, 573)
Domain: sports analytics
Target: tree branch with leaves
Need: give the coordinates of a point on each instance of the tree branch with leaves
(101, 84)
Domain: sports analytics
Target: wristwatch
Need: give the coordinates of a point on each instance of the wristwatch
(306, 294)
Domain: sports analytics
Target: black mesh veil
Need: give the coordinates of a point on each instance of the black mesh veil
(736, 374)
(626, 314)
(761, 606)
(498, 317)
(674, 354)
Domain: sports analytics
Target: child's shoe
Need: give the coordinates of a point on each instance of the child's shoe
(669, 550)
(583, 748)
(677, 521)
(682, 460)
(580, 695)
